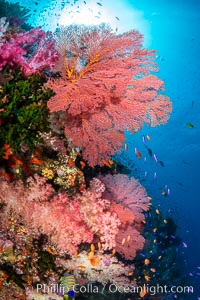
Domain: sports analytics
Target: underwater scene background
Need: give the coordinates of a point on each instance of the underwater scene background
(99, 149)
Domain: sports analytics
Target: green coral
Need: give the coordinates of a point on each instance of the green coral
(23, 111)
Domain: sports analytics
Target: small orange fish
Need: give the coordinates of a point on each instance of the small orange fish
(155, 229)
(99, 245)
(83, 164)
(130, 273)
(113, 251)
(157, 211)
(146, 261)
(71, 162)
(128, 238)
(154, 241)
(123, 241)
(126, 147)
(17, 161)
(148, 137)
(76, 254)
(35, 161)
(95, 261)
(92, 247)
(107, 163)
(165, 221)
(143, 292)
(50, 251)
(91, 255)
(81, 267)
(147, 278)
(138, 153)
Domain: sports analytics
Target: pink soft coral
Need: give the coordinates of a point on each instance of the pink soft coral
(42, 212)
(33, 51)
(97, 214)
(105, 88)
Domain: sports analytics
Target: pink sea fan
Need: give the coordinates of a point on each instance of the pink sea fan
(128, 242)
(128, 200)
(127, 192)
(125, 215)
(106, 88)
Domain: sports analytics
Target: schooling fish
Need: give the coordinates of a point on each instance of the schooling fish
(150, 151)
(107, 163)
(148, 137)
(126, 147)
(190, 125)
(161, 163)
(144, 140)
(143, 292)
(146, 261)
(164, 193)
(138, 153)
(184, 245)
(155, 157)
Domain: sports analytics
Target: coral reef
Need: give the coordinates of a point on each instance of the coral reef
(65, 101)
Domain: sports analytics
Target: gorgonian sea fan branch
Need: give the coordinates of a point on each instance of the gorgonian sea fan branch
(105, 78)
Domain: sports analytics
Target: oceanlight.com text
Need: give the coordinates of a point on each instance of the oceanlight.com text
(114, 288)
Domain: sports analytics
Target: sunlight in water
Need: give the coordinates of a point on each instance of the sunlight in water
(121, 16)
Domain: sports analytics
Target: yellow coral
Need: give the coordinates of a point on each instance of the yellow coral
(47, 173)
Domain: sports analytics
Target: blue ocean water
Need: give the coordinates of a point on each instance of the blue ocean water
(174, 33)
